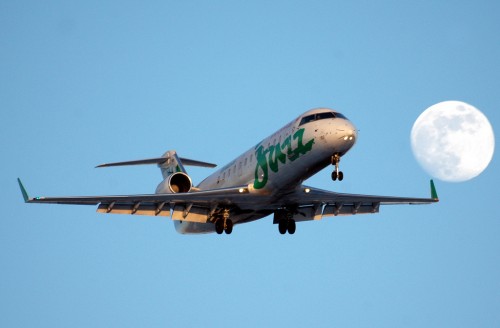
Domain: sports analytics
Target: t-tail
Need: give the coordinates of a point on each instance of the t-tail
(175, 177)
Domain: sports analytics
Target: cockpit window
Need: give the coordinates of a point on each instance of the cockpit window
(307, 119)
(320, 116)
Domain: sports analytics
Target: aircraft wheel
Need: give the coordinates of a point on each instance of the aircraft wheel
(334, 175)
(291, 227)
(282, 226)
(229, 227)
(341, 176)
(219, 226)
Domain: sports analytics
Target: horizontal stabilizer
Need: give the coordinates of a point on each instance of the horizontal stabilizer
(158, 160)
(191, 162)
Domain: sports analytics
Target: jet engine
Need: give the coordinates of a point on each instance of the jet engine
(175, 183)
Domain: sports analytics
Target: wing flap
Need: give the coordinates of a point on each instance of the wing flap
(160, 209)
(191, 213)
(351, 209)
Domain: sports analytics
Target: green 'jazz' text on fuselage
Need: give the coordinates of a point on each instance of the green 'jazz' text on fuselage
(271, 156)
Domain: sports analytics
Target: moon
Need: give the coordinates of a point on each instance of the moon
(453, 141)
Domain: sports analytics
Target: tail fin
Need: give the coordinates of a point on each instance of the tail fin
(169, 163)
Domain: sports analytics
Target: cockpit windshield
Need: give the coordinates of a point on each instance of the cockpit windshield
(320, 116)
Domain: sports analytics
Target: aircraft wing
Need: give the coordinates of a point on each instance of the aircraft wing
(151, 204)
(317, 195)
(313, 204)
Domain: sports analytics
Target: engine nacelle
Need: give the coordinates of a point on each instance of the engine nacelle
(174, 183)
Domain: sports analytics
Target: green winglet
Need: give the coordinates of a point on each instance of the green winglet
(434, 194)
(23, 190)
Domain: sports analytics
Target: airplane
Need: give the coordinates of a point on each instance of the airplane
(266, 179)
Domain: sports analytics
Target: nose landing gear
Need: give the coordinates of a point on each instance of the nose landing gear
(337, 174)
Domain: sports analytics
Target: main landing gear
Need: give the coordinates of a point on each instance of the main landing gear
(285, 225)
(224, 224)
(337, 174)
(284, 218)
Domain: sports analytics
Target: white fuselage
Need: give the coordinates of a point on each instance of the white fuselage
(281, 162)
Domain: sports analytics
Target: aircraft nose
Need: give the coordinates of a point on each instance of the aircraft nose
(350, 133)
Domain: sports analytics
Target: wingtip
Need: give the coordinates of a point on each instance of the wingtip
(23, 191)
(434, 194)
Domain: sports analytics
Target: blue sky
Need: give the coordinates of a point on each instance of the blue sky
(84, 83)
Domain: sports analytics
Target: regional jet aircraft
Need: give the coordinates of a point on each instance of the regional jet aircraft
(264, 180)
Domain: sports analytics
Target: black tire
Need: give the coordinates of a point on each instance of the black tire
(229, 227)
(341, 176)
(334, 175)
(219, 226)
(291, 227)
(282, 226)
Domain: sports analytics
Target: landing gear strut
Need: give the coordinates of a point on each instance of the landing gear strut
(224, 224)
(337, 174)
